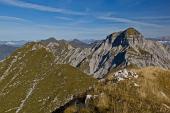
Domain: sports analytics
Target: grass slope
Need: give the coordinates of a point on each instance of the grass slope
(30, 81)
(150, 93)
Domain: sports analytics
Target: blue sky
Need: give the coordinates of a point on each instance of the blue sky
(81, 19)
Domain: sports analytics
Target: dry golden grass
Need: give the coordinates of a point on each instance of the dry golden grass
(103, 102)
(151, 96)
(71, 109)
(155, 82)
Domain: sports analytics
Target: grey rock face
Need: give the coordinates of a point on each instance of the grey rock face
(118, 50)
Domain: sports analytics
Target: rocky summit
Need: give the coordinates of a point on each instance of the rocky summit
(118, 50)
(49, 76)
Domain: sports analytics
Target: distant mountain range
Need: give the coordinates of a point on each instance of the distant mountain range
(81, 44)
(118, 50)
(8, 47)
(98, 57)
(124, 73)
(6, 50)
(13, 43)
(164, 40)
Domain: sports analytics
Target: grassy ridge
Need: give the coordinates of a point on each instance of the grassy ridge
(32, 83)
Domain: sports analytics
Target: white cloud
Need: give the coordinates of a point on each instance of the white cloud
(63, 18)
(10, 18)
(75, 28)
(12, 31)
(154, 17)
(38, 7)
(128, 21)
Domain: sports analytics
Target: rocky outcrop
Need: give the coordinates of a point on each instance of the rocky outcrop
(124, 74)
(118, 50)
(127, 48)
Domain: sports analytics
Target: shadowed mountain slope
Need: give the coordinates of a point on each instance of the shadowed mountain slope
(118, 50)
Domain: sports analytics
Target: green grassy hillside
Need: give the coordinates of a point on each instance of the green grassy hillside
(30, 81)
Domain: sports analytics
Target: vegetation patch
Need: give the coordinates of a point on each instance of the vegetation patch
(31, 82)
(147, 94)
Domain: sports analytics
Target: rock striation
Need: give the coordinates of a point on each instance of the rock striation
(118, 50)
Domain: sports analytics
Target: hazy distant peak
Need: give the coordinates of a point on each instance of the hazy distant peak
(51, 39)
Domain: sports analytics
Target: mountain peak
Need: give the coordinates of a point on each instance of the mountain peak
(78, 43)
(76, 40)
(118, 50)
(131, 30)
(51, 39)
(132, 33)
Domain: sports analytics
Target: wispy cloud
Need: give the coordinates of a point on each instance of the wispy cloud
(11, 18)
(154, 18)
(128, 21)
(44, 8)
(63, 18)
(90, 24)
(12, 31)
(38, 7)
